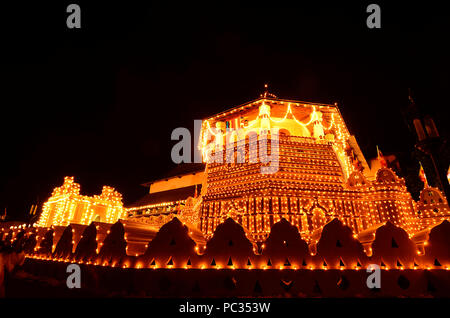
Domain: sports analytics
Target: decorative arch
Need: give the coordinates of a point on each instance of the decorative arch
(356, 179)
(283, 132)
(431, 195)
(233, 137)
(385, 175)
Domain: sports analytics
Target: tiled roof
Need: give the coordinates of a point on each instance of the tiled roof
(180, 170)
(167, 196)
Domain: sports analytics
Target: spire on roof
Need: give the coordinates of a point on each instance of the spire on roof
(410, 96)
(266, 92)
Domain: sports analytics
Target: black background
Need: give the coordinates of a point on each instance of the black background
(285, 307)
(99, 103)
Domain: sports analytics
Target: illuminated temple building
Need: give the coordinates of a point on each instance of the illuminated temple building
(321, 174)
(315, 205)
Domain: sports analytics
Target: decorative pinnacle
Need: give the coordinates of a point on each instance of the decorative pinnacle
(266, 92)
(410, 96)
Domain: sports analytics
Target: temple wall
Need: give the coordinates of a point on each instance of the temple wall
(282, 266)
(359, 206)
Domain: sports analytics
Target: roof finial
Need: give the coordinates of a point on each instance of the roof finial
(266, 92)
(410, 96)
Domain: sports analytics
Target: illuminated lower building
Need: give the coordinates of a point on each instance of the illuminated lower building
(67, 205)
(178, 194)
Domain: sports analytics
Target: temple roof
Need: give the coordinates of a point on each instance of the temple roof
(181, 169)
(251, 104)
(166, 196)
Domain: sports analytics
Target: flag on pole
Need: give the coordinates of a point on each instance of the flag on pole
(381, 159)
(3, 217)
(448, 174)
(35, 209)
(422, 176)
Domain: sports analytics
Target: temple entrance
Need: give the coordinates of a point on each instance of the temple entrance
(318, 218)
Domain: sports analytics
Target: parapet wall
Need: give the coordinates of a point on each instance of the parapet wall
(231, 265)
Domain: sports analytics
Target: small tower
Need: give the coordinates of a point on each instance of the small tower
(264, 115)
(430, 147)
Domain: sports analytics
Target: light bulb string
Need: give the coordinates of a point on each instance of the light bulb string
(313, 118)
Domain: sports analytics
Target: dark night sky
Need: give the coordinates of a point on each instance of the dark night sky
(100, 103)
